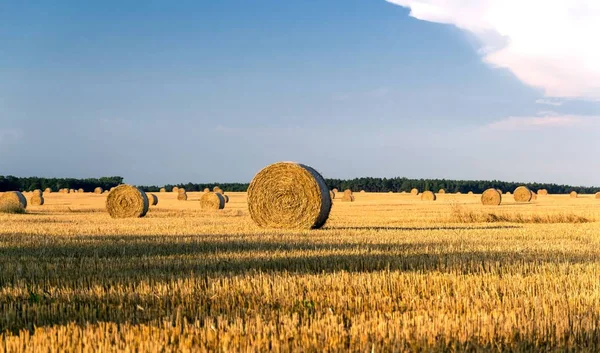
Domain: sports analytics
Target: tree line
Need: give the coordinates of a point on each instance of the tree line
(10, 183)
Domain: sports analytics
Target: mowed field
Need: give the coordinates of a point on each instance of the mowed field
(388, 272)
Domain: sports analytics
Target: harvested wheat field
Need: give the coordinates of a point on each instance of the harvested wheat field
(385, 273)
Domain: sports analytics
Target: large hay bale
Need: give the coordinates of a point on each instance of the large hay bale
(522, 194)
(573, 194)
(182, 196)
(491, 197)
(13, 202)
(152, 199)
(36, 200)
(428, 196)
(175, 189)
(163, 190)
(98, 190)
(127, 201)
(289, 195)
(212, 201)
(48, 191)
(442, 191)
(414, 191)
(348, 196)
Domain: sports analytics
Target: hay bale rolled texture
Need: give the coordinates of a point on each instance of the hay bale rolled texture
(13, 202)
(152, 199)
(212, 201)
(36, 200)
(442, 191)
(182, 196)
(491, 197)
(428, 196)
(414, 191)
(98, 190)
(573, 194)
(38, 192)
(348, 196)
(522, 194)
(289, 195)
(127, 201)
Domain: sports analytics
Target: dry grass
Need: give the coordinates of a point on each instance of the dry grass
(387, 273)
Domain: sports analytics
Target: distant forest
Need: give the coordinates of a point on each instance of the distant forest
(10, 183)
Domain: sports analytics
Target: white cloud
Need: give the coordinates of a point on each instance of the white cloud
(553, 102)
(551, 44)
(536, 122)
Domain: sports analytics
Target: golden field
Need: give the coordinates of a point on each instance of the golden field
(386, 273)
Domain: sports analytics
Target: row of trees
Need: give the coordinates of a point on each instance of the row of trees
(8, 183)
(12, 183)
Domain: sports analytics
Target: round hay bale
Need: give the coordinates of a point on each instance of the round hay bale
(458, 193)
(348, 197)
(80, 191)
(289, 195)
(542, 192)
(48, 191)
(414, 191)
(500, 191)
(38, 192)
(98, 190)
(363, 192)
(206, 190)
(182, 196)
(152, 199)
(522, 194)
(13, 202)
(216, 188)
(491, 197)
(598, 195)
(220, 191)
(212, 201)
(163, 190)
(573, 194)
(127, 201)
(175, 189)
(335, 190)
(181, 191)
(428, 196)
(36, 200)
(71, 191)
(105, 192)
(226, 198)
(348, 191)
(508, 193)
(442, 191)
(533, 196)
(470, 193)
(332, 194)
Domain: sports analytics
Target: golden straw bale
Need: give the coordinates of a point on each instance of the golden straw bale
(491, 197)
(12, 202)
(163, 190)
(47, 191)
(414, 191)
(98, 190)
(127, 201)
(175, 189)
(428, 196)
(573, 194)
(212, 201)
(226, 197)
(36, 200)
(152, 199)
(289, 195)
(206, 190)
(470, 193)
(182, 196)
(442, 191)
(522, 194)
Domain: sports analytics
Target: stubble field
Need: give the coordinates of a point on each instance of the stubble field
(388, 272)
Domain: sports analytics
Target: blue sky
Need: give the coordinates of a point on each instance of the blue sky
(213, 91)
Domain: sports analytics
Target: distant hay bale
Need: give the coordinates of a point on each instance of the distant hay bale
(71, 191)
(182, 196)
(98, 190)
(220, 191)
(13, 202)
(542, 192)
(36, 200)
(442, 191)
(38, 192)
(458, 193)
(508, 193)
(470, 193)
(163, 190)
(363, 192)
(216, 188)
(332, 194)
(500, 191)
(80, 191)
(414, 191)
(105, 192)
(428, 196)
(181, 191)
(335, 190)
(573, 194)
(206, 190)
(152, 199)
(212, 201)
(48, 191)
(226, 197)
(491, 197)
(533, 196)
(127, 201)
(175, 189)
(289, 195)
(522, 194)
(598, 195)
(348, 196)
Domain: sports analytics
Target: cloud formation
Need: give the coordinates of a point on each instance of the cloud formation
(550, 44)
(531, 122)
